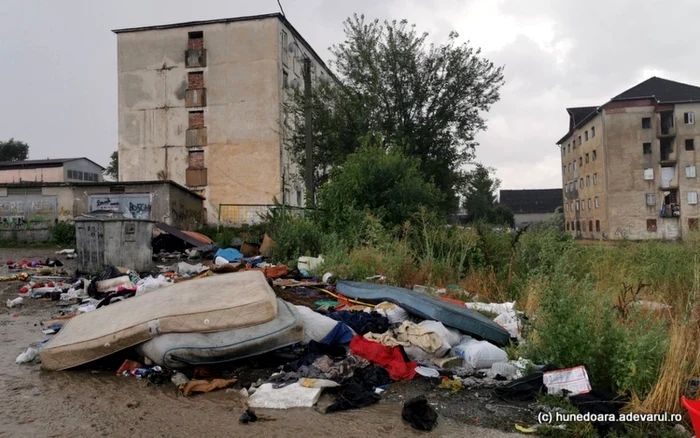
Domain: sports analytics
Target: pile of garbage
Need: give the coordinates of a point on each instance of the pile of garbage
(351, 340)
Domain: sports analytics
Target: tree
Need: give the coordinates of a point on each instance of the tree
(427, 100)
(113, 168)
(480, 198)
(385, 182)
(13, 150)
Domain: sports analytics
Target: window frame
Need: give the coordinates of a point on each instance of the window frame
(689, 142)
(646, 122)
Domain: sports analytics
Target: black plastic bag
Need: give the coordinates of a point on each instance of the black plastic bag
(353, 395)
(419, 414)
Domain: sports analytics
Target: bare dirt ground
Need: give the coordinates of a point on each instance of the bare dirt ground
(95, 401)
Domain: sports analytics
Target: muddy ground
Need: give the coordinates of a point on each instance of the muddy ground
(94, 401)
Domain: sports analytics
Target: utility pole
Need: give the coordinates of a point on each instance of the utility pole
(309, 133)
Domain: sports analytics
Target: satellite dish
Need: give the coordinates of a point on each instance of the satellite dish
(296, 83)
(292, 48)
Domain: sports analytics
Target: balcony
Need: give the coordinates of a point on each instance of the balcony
(196, 58)
(196, 97)
(196, 177)
(196, 137)
(666, 127)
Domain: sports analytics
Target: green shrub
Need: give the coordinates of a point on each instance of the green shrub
(295, 237)
(63, 233)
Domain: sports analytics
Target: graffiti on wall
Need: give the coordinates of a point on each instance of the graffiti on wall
(30, 212)
(136, 206)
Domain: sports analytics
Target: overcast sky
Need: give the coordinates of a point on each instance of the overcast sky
(59, 74)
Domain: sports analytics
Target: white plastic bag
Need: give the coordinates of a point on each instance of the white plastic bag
(450, 337)
(16, 302)
(393, 313)
(479, 354)
(292, 396)
(150, 283)
(27, 356)
(316, 326)
(510, 322)
(496, 308)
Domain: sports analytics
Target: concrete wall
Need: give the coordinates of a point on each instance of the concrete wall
(27, 218)
(241, 115)
(522, 219)
(46, 174)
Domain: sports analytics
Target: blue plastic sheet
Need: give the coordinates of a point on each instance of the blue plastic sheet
(230, 254)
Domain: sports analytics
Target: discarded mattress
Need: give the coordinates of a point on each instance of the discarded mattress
(209, 304)
(179, 350)
(428, 307)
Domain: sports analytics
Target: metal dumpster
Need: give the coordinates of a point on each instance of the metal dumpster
(108, 238)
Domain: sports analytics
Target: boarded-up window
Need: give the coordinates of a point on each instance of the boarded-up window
(597, 204)
(597, 226)
(590, 226)
(589, 203)
(692, 198)
(595, 179)
(690, 171)
(195, 40)
(195, 80)
(196, 160)
(648, 174)
(693, 224)
(651, 225)
(196, 120)
(651, 199)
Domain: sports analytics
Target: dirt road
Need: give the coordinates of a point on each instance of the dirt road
(89, 402)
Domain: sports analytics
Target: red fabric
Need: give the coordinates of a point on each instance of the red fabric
(388, 357)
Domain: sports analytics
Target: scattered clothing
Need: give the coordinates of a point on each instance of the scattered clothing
(362, 322)
(335, 351)
(391, 358)
(230, 254)
(409, 334)
(318, 367)
(419, 414)
(353, 395)
(341, 334)
(373, 376)
(207, 386)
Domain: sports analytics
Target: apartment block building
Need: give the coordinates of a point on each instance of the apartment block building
(629, 166)
(202, 104)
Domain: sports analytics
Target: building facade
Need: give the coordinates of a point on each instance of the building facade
(29, 210)
(202, 104)
(629, 166)
(51, 170)
(531, 206)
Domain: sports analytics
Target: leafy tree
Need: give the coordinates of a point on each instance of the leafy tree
(13, 150)
(426, 100)
(480, 198)
(384, 181)
(113, 168)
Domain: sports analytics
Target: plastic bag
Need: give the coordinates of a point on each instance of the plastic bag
(393, 313)
(316, 326)
(479, 354)
(510, 322)
(450, 337)
(291, 396)
(27, 356)
(150, 283)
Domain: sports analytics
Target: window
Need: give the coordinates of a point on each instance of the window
(689, 118)
(588, 180)
(595, 179)
(579, 140)
(285, 79)
(577, 206)
(595, 155)
(651, 225)
(572, 226)
(585, 135)
(583, 204)
(78, 174)
(285, 47)
(692, 198)
(597, 226)
(651, 199)
(569, 167)
(580, 183)
(566, 206)
(568, 148)
(574, 165)
(195, 40)
(592, 131)
(646, 122)
(587, 158)
(690, 171)
(648, 174)
(70, 174)
(567, 226)
(646, 147)
(578, 225)
(693, 224)
(574, 143)
(597, 204)
(590, 226)
(580, 161)
(689, 144)
(589, 203)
